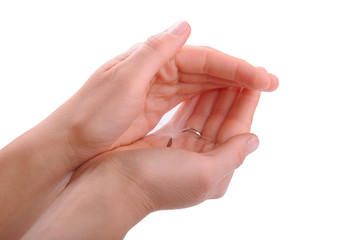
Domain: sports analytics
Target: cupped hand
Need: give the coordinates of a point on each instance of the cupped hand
(119, 104)
(198, 167)
(109, 194)
(126, 98)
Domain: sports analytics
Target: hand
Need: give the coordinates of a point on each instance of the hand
(126, 98)
(224, 118)
(120, 103)
(112, 192)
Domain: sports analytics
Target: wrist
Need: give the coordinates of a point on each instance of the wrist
(48, 142)
(98, 203)
(30, 167)
(59, 140)
(123, 203)
(42, 153)
(134, 203)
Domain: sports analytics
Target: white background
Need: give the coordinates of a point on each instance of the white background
(290, 188)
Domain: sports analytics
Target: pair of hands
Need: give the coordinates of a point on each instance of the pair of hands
(94, 173)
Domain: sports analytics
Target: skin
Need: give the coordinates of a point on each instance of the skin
(150, 176)
(119, 104)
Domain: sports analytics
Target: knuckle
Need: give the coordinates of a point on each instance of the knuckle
(137, 45)
(154, 42)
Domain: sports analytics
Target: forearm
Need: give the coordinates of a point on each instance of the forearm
(36, 161)
(92, 207)
(83, 220)
(30, 167)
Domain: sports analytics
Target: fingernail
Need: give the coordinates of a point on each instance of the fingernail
(178, 28)
(262, 81)
(252, 145)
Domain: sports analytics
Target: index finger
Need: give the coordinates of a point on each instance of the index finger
(209, 61)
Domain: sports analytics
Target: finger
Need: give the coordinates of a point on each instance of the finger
(189, 139)
(240, 116)
(191, 114)
(146, 61)
(202, 111)
(189, 90)
(193, 84)
(205, 78)
(221, 108)
(274, 80)
(180, 118)
(203, 60)
(231, 154)
(274, 83)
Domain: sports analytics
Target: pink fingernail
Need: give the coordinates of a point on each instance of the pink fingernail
(178, 28)
(262, 80)
(252, 145)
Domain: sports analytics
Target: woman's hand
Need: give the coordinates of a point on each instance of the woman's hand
(126, 98)
(112, 192)
(120, 103)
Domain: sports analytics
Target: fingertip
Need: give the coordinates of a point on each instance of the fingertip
(265, 81)
(262, 80)
(252, 144)
(274, 83)
(180, 28)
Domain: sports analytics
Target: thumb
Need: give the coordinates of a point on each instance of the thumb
(146, 61)
(231, 154)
